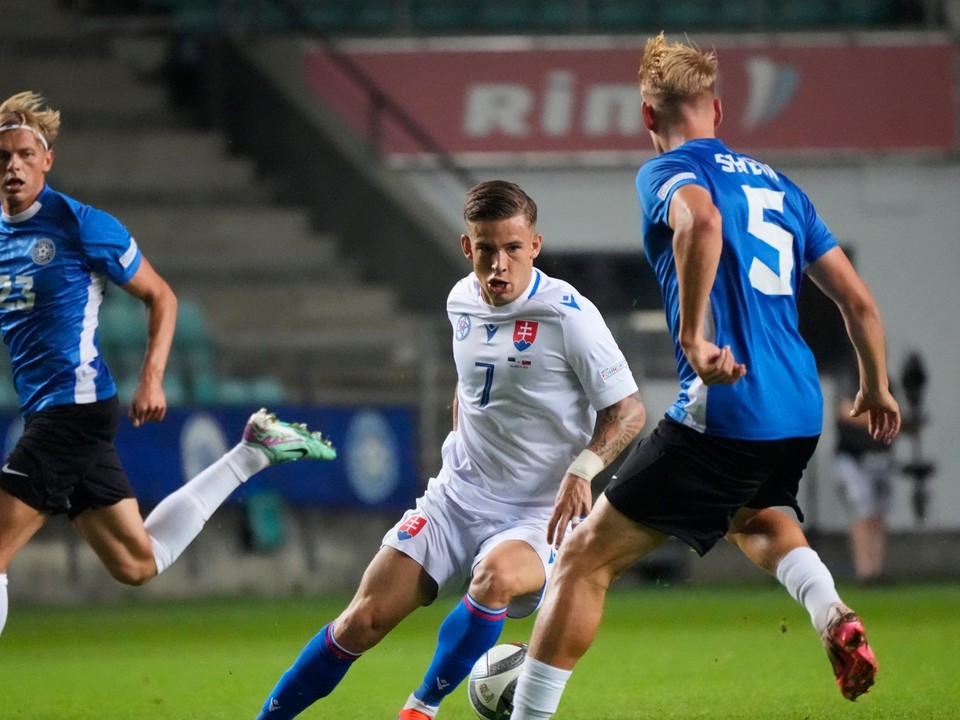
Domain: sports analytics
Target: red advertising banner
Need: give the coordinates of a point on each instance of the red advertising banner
(839, 97)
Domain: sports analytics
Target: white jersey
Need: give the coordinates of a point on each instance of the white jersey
(531, 376)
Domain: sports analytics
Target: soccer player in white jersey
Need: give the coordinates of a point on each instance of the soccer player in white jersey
(544, 401)
(56, 257)
(729, 239)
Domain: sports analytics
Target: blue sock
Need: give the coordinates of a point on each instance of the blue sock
(465, 634)
(319, 668)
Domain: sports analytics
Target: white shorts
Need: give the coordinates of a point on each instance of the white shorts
(864, 483)
(449, 540)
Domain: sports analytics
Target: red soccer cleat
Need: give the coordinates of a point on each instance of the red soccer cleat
(410, 714)
(854, 663)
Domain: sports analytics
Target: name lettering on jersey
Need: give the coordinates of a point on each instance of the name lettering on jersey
(411, 527)
(463, 327)
(43, 251)
(521, 363)
(609, 372)
(491, 330)
(742, 164)
(570, 301)
(524, 334)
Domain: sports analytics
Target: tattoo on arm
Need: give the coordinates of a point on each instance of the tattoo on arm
(617, 426)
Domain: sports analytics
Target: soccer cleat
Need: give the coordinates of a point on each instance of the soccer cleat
(411, 714)
(854, 664)
(285, 442)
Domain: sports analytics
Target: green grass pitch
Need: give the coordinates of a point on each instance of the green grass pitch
(702, 653)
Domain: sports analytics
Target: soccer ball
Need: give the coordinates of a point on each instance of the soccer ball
(494, 679)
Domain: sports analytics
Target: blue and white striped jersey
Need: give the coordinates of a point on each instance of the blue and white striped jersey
(771, 232)
(55, 259)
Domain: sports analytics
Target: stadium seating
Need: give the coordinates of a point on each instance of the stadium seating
(426, 17)
(439, 16)
(520, 17)
(193, 375)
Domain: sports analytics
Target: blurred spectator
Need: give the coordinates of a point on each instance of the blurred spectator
(862, 469)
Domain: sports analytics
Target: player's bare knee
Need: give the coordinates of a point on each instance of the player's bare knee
(581, 560)
(133, 572)
(494, 586)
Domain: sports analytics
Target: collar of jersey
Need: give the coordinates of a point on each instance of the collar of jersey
(535, 285)
(28, 213)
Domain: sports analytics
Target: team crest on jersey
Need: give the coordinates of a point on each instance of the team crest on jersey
(524, 334)
(463, 327)
(411, 527)
(43, 251)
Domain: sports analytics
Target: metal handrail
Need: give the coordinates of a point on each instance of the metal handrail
(381, 104)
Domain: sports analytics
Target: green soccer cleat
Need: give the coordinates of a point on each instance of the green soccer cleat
(285, 442)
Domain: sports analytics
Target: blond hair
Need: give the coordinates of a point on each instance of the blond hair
(673, 74)
(27, 108)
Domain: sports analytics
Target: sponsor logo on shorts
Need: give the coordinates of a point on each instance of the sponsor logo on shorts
(10, 471)
(411, 527)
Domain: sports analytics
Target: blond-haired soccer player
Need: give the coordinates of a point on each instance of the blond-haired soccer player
(730, 239)
(544, 401)
(56, 257)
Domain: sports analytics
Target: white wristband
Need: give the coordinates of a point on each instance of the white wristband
(586, 465)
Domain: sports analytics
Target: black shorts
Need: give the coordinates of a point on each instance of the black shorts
(66, 462)
(690, 485)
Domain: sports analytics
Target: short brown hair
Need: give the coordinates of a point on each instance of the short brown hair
(498, 200)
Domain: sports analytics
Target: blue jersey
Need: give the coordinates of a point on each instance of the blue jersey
(771, 232)
(55, 259)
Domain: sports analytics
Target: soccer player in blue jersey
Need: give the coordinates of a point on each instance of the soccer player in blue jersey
(544, 401)
(730, 240)
(56, 257)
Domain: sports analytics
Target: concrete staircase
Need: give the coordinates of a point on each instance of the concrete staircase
(280, 297)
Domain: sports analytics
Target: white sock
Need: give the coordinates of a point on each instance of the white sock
(414, 703)
(809, 582)
(180, 516)
(538, 690)
(3, 601)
